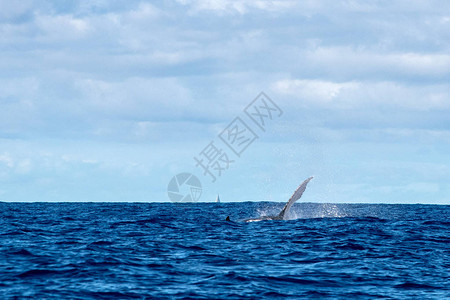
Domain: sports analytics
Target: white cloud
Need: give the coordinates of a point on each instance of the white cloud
(11, 10)
(24, 166)
(14, 165)
(143, 12)
(367, 62)
(61, 27)
(313, 90)
(7, 160)
(364, 94)
(146, 73)
(241, 7)
(136, 97)
(416, 188)
(21, 89)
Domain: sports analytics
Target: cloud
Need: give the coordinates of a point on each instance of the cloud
(13, 11)
(356, 62)
(361, 94)
(61, 27)
(169, 75)
(6, 160)
(136, 97)
(240, 7)
(418, 187)
(313, 90)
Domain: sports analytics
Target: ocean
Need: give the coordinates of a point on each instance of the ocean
(189, 251)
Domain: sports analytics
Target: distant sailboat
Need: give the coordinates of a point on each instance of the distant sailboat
(218, 199)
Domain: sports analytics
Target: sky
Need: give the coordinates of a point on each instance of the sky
(109, 100)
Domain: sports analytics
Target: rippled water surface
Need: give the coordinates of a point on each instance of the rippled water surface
(165, 250)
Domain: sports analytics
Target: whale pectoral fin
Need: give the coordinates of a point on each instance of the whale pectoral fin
(297, 195)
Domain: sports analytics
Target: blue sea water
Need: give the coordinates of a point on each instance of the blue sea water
(166, 250)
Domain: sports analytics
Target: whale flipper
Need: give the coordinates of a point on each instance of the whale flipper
(283, 215)
(297, 195)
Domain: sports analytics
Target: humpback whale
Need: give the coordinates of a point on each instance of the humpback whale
(284, 214)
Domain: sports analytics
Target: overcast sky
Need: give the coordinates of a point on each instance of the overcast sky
(108, 100)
